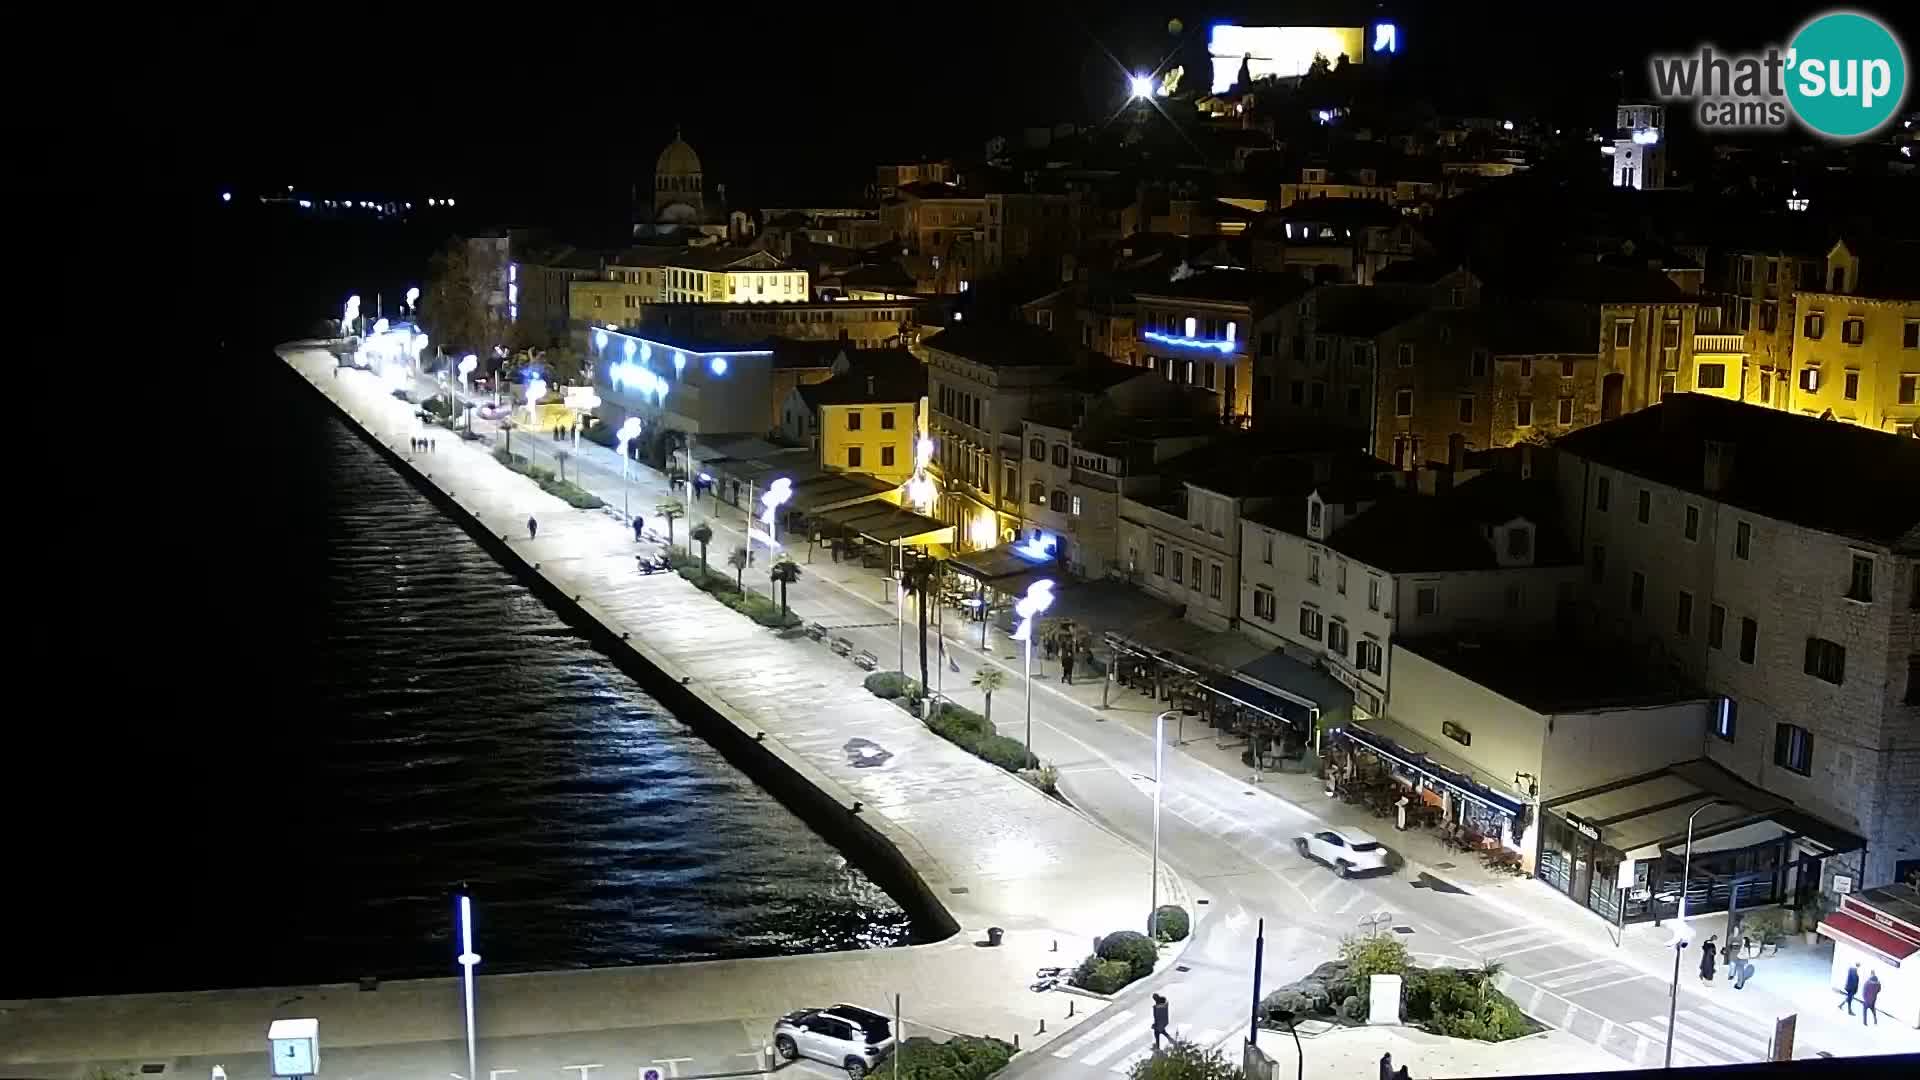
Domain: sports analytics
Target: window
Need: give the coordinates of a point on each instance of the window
(1742, 541)
(1266, 549)
(1523, 412)
(1519, 543)
(1012, 486)
(1637, 592)
(1373, 594)
(1909, 389)
(1403, 403)
(1213, 580)
(1337, 639)
(1160, 560)
(1913, 681)
(1683, 616)
(1860, 585)
(1910, 334)
(1691, 530)
(853, 457)
(1426, 600)
(1623, 333)
(1263, 604)
(1515, 597)
(1643, 507)
(1526, 367)
(1405, 355)
(1669, 383)
(1853, 331)
(1179, 568)
(1716, 626)
(1076, 506)
(1566, 410)
(1195, 583)
(853, 419)
(1813, 326)
(1059, 455)
(1710, 376)
(886, 457)
(1850, 386)
(1311, 623)
(1479, 362)
(1810, 379)
(1037, 493)
(1599, 563)
(1313, 567)
(1749, 640)
(1724, 718)
(1670, 334)
(1826, 660)
(1367, 656)
(1766, 387)
(1037, 450)
(1340, 578)
(1602, 492)
(1466, 410)
(1058, 501)
(1793, 748)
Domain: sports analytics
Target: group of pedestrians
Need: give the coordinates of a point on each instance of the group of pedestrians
(1869, 994)
(1739, 968)
(420, 445)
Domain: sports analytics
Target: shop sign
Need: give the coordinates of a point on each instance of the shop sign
(1842, 884)
(1590, 831)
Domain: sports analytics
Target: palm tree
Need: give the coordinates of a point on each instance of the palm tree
(920, 576)
(786, 572)
(989, 679)
(738, 560)
(670, 509)
(701, 534)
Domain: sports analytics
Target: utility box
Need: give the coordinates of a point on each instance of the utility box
(294, 1046)
(1383, 1000)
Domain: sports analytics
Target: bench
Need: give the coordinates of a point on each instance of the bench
(817, 631)
(841, 646)
(866, 661)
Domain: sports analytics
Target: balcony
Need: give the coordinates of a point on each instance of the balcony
(1719, 343)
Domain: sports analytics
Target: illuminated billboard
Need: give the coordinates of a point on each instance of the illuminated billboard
(1284, 51)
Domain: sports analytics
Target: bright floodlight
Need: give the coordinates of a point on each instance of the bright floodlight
(718, 365)
(226, 196)
(1141, 85)
(413, 295)
(1038, 599)
(680, 363)
(599, 339)
(467, 364)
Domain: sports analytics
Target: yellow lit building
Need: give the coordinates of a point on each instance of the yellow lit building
(729, 275)
(1856, 351)
(868, 417)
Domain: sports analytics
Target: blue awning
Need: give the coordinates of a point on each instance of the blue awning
(1424, 764)
(1245, 693)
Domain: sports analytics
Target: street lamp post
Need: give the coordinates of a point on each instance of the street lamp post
(1680, 929)
(773, 499)
(468, 961)
(1153, 894)
(1038, 598)
(629, 431)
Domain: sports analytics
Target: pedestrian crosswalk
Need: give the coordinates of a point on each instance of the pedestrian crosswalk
(1703, 1035)
(1122, 1040)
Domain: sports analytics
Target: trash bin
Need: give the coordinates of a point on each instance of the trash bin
(994, 935)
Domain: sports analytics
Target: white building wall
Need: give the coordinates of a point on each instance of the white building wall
(1586, 749)
(1507, 737)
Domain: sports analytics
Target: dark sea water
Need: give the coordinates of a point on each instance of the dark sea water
(324, 706)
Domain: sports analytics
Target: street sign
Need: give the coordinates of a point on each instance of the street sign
(1783, 1037)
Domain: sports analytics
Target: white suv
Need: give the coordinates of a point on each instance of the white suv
(1348, 851)
(844, 1035)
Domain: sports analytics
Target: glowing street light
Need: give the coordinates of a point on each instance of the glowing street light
(920, 488)
(773, 499)
(599, 340)
(1140, 86)
(413, 297)
(351, 314)
(468, 961)
(629, 431)
(1038, 599)
(536, 389)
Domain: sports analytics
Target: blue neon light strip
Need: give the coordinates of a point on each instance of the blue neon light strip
(1189, 343)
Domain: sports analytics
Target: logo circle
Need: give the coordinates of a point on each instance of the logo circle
(1839, 59)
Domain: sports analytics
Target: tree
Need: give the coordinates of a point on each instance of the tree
(670, 509)
(458, 306)
(989, 679)
(738, 560)
(786, 572)
(702, 534)
(921, 576)
(1185, 1061)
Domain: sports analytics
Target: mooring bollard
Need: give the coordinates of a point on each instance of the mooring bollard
(1070, 1003)
(1043, 1026)
(1016, 1042)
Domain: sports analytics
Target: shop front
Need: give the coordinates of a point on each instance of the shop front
(1879, 930)
(1620, 849)
(1379, 763)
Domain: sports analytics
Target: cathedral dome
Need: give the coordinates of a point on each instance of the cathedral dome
(678, 159)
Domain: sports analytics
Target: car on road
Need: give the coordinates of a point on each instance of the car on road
(1348, 851)
(844, 1035)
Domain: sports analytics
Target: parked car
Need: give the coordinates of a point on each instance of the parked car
(1348, 851)
(844, 1035)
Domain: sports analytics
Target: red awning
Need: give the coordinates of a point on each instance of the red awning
(1858, 932)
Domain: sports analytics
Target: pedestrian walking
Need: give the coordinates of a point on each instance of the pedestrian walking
(533, 528)
(1869, 999)
(1744, 971)
(1160, 1020)
(1386, 1067)
(1066, 668)
(1851, 988)
(639, 527)
(1707, 951)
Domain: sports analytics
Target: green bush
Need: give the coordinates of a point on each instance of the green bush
(1102, 976)
(437, 406)
(970, 731)
(963, 1057)
(1185, 1061)
(1370, 956)
(1463, 1005)
(1134, 948)
(1170, 921)
(891, 684)
(573, 495)
(753, 605)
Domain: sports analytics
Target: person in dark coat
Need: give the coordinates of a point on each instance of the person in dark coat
(1386, 1067)
(1159, 1020)
(1869, 999)
(1707, 951)
(639, 527)
(533, 528)
(1066, 667)
(1851, 988)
